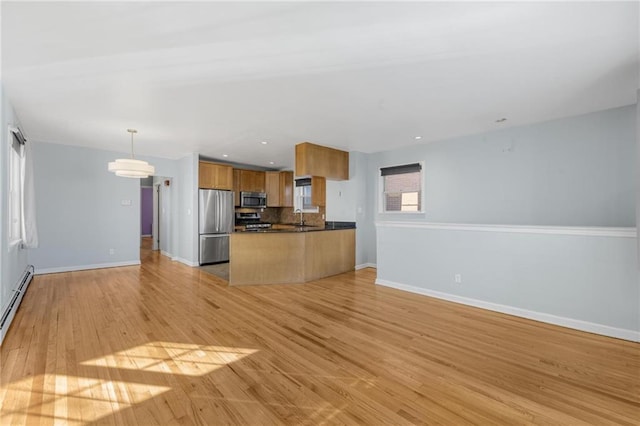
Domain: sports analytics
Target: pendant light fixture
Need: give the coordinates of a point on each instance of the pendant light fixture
(130, 167)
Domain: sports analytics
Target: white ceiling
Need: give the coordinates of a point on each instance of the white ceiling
(219, 78)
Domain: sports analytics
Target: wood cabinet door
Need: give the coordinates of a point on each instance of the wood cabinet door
(205, 175)
(223, 177)
(286, 189)
(236, 187)
(215, 176)
(318, 191)
(272, 183)
(317, 160)
(341, 161)
(252, 181)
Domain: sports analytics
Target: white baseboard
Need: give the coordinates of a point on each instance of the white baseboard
(605, 330)
(146, 235)
(185, 261)
(42, 271)
(365, 265)
(166, 253)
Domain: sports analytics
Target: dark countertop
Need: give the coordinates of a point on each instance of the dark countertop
(329, 226)
(339, 225)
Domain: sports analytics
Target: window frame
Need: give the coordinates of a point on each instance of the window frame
(297, 201)
(381, 192)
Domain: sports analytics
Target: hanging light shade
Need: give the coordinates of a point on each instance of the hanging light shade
(130, 167)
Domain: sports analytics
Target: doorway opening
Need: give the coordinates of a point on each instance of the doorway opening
(146, 213)
(155, 216)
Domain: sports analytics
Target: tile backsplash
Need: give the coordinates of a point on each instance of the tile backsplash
(286, 215)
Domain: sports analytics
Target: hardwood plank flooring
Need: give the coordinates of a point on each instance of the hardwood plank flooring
(163, 343)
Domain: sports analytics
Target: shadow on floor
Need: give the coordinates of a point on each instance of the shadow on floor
(220, 270)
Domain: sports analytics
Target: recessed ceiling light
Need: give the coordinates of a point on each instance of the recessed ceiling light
(264, 142)
(225, 155)
(418, 137)
(501, 120)
(271, 162)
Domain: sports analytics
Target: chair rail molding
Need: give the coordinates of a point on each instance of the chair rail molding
(592, 231)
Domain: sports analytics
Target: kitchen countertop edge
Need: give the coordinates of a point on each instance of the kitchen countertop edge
(297, 229)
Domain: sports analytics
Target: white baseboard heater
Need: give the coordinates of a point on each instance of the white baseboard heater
(11, 307)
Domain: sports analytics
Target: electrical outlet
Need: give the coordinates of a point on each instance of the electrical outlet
(457, 278)
(112, 251)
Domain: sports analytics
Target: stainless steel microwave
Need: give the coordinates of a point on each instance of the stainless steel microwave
(254, 200)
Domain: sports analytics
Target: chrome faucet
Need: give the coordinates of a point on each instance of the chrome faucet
(301, 220)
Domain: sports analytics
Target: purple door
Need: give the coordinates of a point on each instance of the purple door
(146, 202)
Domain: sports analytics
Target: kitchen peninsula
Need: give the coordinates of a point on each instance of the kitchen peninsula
(291, 254)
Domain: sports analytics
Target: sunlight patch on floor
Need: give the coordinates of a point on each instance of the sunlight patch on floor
(74, 399)
(87, 398)
(172, 358)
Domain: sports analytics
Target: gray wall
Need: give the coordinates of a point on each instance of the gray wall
(347, 201)
(14, 262)
(638, 193)
(79, 210)
(341, 195)
(577, 171)
(187, 202)
(583, 278)
(638, 179)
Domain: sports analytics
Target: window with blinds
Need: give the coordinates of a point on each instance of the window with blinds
(402, 188)
(302, 197)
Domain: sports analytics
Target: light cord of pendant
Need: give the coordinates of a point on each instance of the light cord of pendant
(132, 146)
(133, 132)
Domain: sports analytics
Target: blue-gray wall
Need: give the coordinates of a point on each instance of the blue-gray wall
(575, 278)
(80, 213)
(347, 201)
(578, 171)
(575, 172)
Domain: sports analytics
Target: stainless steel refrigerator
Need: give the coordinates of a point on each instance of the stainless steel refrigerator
(215, 223)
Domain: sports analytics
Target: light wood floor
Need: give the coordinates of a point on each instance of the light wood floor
(167, 344)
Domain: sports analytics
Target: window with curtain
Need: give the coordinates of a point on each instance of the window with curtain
(15, 190)
(402, 188)
(22, 208)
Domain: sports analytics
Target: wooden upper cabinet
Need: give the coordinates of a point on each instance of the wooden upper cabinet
(252, 181)
(272, 180)
(318, 191)
(279, 189)
(286, 189)
(247, 181)
(236, 187)
(317, 160)
(215, 176)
